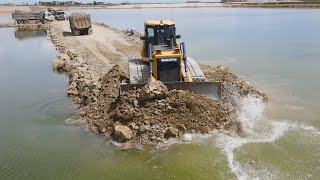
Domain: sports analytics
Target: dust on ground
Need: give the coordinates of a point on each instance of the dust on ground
(97, 64)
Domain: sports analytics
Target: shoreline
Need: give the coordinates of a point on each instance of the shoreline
(5, 10)
(11, 25)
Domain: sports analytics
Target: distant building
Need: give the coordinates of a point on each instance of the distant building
(193, 1)
(225, 1)
(68, 3)
(100, 3)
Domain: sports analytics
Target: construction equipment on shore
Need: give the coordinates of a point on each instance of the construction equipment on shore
(80, 24)
(48, 16)
(164, 59)
(59, 15)
(26, 17)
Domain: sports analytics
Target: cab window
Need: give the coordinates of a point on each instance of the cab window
(150, 32)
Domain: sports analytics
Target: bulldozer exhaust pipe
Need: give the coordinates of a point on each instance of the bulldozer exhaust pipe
(151, 78)
(184, 58)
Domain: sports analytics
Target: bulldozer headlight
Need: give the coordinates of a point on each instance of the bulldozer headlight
(158, 52)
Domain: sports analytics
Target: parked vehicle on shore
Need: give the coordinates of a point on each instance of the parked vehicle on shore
(50, 9)
(28, 17)
(59, 15)
(48, 16)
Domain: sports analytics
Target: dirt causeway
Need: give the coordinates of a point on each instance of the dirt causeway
(97, 63)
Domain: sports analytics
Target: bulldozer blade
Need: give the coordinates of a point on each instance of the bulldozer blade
(211, 89)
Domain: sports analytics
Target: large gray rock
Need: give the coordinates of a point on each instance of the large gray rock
(182, 128)
(171, 133)
(57, 64)
(122, 133)
(72, 90)
(64, 57)
(144, 128)
(67, 66)
(153, 90)
(73, 77)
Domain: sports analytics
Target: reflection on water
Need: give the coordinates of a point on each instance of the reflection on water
(25, 33)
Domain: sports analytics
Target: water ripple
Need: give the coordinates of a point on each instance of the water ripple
(61, 107)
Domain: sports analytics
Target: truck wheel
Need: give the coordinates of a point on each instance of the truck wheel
(76, 32)
(89, 31)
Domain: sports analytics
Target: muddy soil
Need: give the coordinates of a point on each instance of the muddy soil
(96, 65)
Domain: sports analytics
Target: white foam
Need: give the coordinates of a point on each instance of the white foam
(228, 144)
(250, 113)
(72, 121)
(187, 138)
(258, 129)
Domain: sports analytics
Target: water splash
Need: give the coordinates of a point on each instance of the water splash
(250, 113)
(257, 129)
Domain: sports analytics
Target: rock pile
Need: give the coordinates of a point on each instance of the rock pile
(154, 114)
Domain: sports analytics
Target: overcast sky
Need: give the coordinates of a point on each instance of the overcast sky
(110, 1)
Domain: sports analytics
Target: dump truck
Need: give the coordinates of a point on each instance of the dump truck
(51, 10)
(80, 24)
(25, 17)
(164, 59)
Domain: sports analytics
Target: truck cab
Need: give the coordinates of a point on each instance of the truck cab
(59, 15)
(48, 16)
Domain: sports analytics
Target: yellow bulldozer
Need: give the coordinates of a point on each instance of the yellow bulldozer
(164, 59)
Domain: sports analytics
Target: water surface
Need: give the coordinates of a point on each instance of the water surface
(277, 50)
(5, 19)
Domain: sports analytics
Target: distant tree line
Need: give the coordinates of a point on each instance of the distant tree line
(272, 1)
(66, 3)
(318, 1)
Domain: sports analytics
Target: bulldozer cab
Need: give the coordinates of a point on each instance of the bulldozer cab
(160, 34)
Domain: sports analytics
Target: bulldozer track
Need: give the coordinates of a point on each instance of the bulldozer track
(194, 70)
(139, 71)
